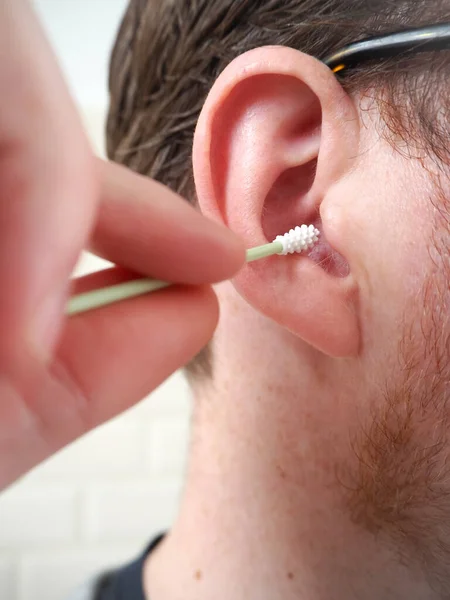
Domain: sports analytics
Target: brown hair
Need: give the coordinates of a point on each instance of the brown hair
(169, 52)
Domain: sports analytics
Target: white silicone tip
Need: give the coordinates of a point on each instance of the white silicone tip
(298, 239)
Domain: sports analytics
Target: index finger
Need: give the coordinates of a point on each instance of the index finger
(147, 228)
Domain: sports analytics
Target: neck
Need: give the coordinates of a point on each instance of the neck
(263, 516)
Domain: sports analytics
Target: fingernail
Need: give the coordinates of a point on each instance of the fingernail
(47, 323)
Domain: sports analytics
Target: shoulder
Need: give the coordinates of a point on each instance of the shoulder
(98, 588)
(124, 583)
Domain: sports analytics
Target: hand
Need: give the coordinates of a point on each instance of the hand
(61, 377)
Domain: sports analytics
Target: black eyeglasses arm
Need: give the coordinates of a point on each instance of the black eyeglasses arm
(424, 39)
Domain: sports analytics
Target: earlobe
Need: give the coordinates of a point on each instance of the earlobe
(276, 135)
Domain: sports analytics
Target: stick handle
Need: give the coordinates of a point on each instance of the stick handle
(114, 293)
(130, 289)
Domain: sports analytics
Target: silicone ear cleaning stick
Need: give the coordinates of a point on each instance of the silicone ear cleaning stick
(295, 241)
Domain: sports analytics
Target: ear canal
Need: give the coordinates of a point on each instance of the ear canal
(266, 151)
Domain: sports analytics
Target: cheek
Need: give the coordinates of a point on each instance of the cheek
(387, 233)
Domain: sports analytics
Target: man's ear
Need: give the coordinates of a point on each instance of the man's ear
(275, 137)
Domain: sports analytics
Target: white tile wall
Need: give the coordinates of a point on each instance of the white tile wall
(162, 428)
(7, 578)
(31, 517)
(150, 506)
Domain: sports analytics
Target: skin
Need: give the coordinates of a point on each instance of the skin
(58, 377)
(319, 455)
(319, 459)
